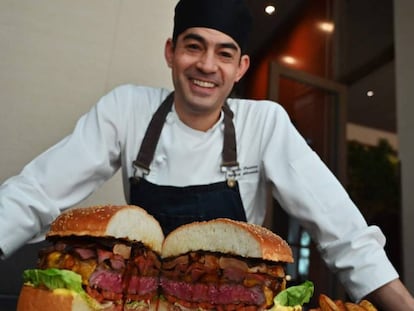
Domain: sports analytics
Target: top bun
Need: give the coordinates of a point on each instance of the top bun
(123, 222)
(227, 236)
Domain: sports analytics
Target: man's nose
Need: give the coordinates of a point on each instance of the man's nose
(208, 62)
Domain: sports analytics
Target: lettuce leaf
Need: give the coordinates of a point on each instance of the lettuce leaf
(54, 279)
(295, 295)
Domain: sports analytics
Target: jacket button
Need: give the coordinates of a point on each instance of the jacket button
(160, 159)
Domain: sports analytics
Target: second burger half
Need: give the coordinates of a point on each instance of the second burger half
(222, 265)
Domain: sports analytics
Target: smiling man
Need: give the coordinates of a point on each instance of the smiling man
(205, 64)
(195, 154)
(206, 57)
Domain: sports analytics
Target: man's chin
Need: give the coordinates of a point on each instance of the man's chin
(202, 103)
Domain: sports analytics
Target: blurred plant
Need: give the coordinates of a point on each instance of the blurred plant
(374, 178)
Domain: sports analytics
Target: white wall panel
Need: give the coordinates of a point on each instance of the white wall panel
(58, 57)
(138, 54)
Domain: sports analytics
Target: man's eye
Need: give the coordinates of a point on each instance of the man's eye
(226, 55)
(193, 47)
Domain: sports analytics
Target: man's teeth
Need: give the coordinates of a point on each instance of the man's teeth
(203, 83)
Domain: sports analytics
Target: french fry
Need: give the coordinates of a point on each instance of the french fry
(327, 303)
(368, 306)
(340, 304)
(353, 307)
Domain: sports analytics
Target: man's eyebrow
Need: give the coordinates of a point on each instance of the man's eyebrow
(194, 36)
(229, 45)
(201, 39)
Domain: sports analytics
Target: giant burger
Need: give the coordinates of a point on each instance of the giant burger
(223, 265)
(100, 258)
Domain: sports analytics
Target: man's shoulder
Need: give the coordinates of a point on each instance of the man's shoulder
(129, 97)
(257, 113)
(242, 105)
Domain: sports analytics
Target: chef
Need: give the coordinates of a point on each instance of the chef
(193, 153)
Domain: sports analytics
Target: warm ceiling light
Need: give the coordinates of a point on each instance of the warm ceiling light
(370, 93)
(326, 26)
(270, 9)
(289, 60)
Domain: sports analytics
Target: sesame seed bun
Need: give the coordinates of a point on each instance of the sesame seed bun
(122, 222)
(227, 236)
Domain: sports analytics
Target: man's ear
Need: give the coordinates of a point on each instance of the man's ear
(243, 66)
(169, 52)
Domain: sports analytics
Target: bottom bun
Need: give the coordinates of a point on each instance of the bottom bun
(36, 299)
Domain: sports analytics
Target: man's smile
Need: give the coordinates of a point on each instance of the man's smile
(205, 84)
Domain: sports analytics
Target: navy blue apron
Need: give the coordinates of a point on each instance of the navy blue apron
(174, 206)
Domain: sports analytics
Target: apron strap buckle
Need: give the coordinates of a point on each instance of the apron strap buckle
(230, 173)
(141, 168)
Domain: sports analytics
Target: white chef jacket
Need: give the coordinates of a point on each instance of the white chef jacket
(269, 149)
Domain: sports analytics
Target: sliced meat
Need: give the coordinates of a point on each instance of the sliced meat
(142, 285)
(217, 294)
(106, 280)
(85, 253)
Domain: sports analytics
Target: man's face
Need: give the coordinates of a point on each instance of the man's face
(205, 64)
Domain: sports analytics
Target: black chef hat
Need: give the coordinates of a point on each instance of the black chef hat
(231, 17)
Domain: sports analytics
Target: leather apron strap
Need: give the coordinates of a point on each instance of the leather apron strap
(153, 132)
(152, 135)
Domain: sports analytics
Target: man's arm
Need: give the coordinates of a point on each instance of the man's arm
(392, 296)
(62, 176)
